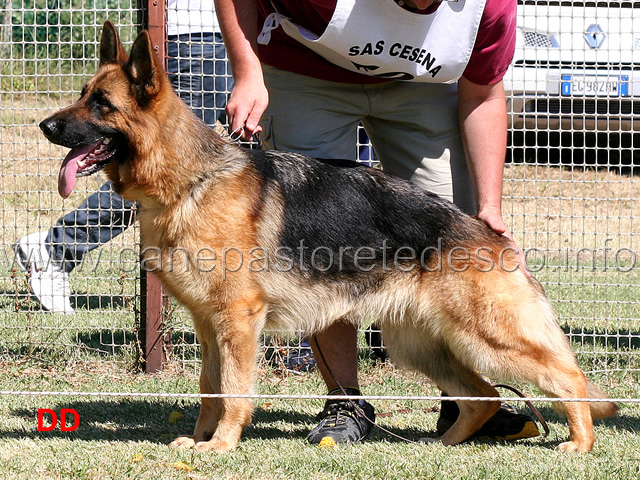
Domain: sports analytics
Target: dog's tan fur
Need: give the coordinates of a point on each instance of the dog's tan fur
(197, 192)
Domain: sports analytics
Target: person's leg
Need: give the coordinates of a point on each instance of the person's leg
(223, 79)
(49, 256)
(185, 71)
(335, 346)
(414, 131)
(309, 116)
(101, 217)
(200, 74)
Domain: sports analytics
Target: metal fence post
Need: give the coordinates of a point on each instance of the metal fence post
(154, 341)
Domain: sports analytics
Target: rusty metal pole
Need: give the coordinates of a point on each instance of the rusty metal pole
(152, 321)
(157, 25)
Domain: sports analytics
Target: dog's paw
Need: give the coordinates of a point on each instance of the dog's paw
(183, 442)
(573, 447)
(214, 446)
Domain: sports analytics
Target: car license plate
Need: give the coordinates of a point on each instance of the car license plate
(592, 86)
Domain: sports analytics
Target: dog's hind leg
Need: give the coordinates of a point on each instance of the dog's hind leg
(459, 381)
(533, 348)
(410, 348)
(557, 375)
(573, 384)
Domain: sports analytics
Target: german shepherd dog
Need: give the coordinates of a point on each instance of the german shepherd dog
(248, 239)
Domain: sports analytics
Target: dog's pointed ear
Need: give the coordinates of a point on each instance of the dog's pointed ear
(144, 68)
(111, 50)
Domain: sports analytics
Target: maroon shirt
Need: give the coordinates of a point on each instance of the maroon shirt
(491, 56)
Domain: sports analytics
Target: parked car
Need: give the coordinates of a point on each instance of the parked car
(575, 73)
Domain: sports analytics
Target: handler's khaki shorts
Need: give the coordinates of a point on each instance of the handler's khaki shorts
(413, 127)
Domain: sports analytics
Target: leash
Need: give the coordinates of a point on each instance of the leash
(236, 135)
(531, 406)
(361, 412)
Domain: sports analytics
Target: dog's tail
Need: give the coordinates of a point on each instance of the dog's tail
(600, 409)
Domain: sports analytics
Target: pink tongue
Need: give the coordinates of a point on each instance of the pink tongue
(69, 169)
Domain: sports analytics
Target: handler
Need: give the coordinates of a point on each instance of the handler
(425, 79)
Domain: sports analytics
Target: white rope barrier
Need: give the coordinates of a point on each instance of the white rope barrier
(308, 397)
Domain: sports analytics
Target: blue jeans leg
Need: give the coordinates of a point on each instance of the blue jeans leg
(200, 74)
(103, 216)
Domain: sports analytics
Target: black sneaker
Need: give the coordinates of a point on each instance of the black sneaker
(343, 421)
(506, 423)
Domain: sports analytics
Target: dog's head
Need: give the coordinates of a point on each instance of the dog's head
(100, 128)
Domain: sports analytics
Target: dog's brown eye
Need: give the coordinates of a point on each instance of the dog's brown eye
(102, 101)
(98, 99)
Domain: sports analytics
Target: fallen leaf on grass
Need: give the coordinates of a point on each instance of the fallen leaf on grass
(185, 467)
(174, 417)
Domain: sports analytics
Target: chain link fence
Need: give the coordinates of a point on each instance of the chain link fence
(48, 50)
(569, 194)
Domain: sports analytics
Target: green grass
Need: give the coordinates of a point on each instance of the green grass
(127, 438)
(51, 45)
(96, 351)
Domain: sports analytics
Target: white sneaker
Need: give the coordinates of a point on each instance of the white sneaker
(48, 282)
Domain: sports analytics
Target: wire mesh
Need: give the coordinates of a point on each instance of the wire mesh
(569, 192)
(48, 50)
(570, 186)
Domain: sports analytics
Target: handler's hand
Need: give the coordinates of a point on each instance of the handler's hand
(247, 102)
(494, 221)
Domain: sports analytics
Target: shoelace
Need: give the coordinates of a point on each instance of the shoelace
(336, 409)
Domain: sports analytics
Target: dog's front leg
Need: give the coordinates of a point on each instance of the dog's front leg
(229, 351)
(211, 408)
(232, 371)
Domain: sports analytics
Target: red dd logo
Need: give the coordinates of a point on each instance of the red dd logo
(64, 427)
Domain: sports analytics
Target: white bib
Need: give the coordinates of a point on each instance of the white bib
(381, 39)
